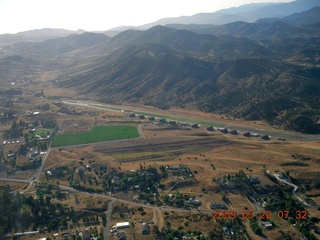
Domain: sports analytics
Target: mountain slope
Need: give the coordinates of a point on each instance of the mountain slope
(293, 26)
(166, 67)
(37, 35)
(246, 13)
(308, 17)
(57, 46)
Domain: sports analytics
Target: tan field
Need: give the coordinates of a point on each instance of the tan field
(208, 155)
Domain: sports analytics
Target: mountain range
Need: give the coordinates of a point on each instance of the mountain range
(262, 70)
(248, 13)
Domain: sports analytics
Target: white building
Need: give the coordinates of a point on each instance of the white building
(123, 225)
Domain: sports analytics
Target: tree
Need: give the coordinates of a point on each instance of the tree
(53, 225)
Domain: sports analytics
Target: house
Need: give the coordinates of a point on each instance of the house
(234, 132)
(224, 130)
(247, 134)
(267, 225)
(215, 205)
(86, 234)
(184, 124)
(121, 236)
(122, 225)
(28, 112)
(115, 180)
(145, 228)
(195, 202)
(254, 180)
(281, 138)
(210, 128)
(34, 154)
(174, 168)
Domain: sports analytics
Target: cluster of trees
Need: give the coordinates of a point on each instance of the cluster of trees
(7, 116)
(14, 132)
(44, 107)
(169, 233)
(145, 178)
(255, 226)
(35, 164)
(283, 200)
(48, 123)
(86, 189)
(22, 213)
(179, 200)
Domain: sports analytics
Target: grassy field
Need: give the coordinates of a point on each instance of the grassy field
(97, 134)
(46, 131)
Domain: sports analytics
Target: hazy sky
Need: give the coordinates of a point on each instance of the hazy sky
(22, 15)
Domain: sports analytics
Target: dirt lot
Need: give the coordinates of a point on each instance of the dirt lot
(157, 147)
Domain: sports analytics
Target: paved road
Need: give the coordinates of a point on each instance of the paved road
(115, 199)
(274, 133)
(295, 188)
(44, 158)
(109, 211)
(15, 180)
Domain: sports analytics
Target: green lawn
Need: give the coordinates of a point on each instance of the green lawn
(97, 134)
(42, 131)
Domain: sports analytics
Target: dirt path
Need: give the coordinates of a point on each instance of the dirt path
(159, 219)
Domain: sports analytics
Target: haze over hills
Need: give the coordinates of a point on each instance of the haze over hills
(36, 35)
(57, 46)
(302, 24)
(264, 70)
(247, 13)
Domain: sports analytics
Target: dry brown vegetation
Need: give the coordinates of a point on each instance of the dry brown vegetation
(208, 157)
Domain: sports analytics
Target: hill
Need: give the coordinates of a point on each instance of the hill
(36, 35)
(305, 18)
(166, 67)
(304, 24)
(246, 13)
(56, 46)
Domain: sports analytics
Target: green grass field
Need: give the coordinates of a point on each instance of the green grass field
(97, 134)
(46, 131)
